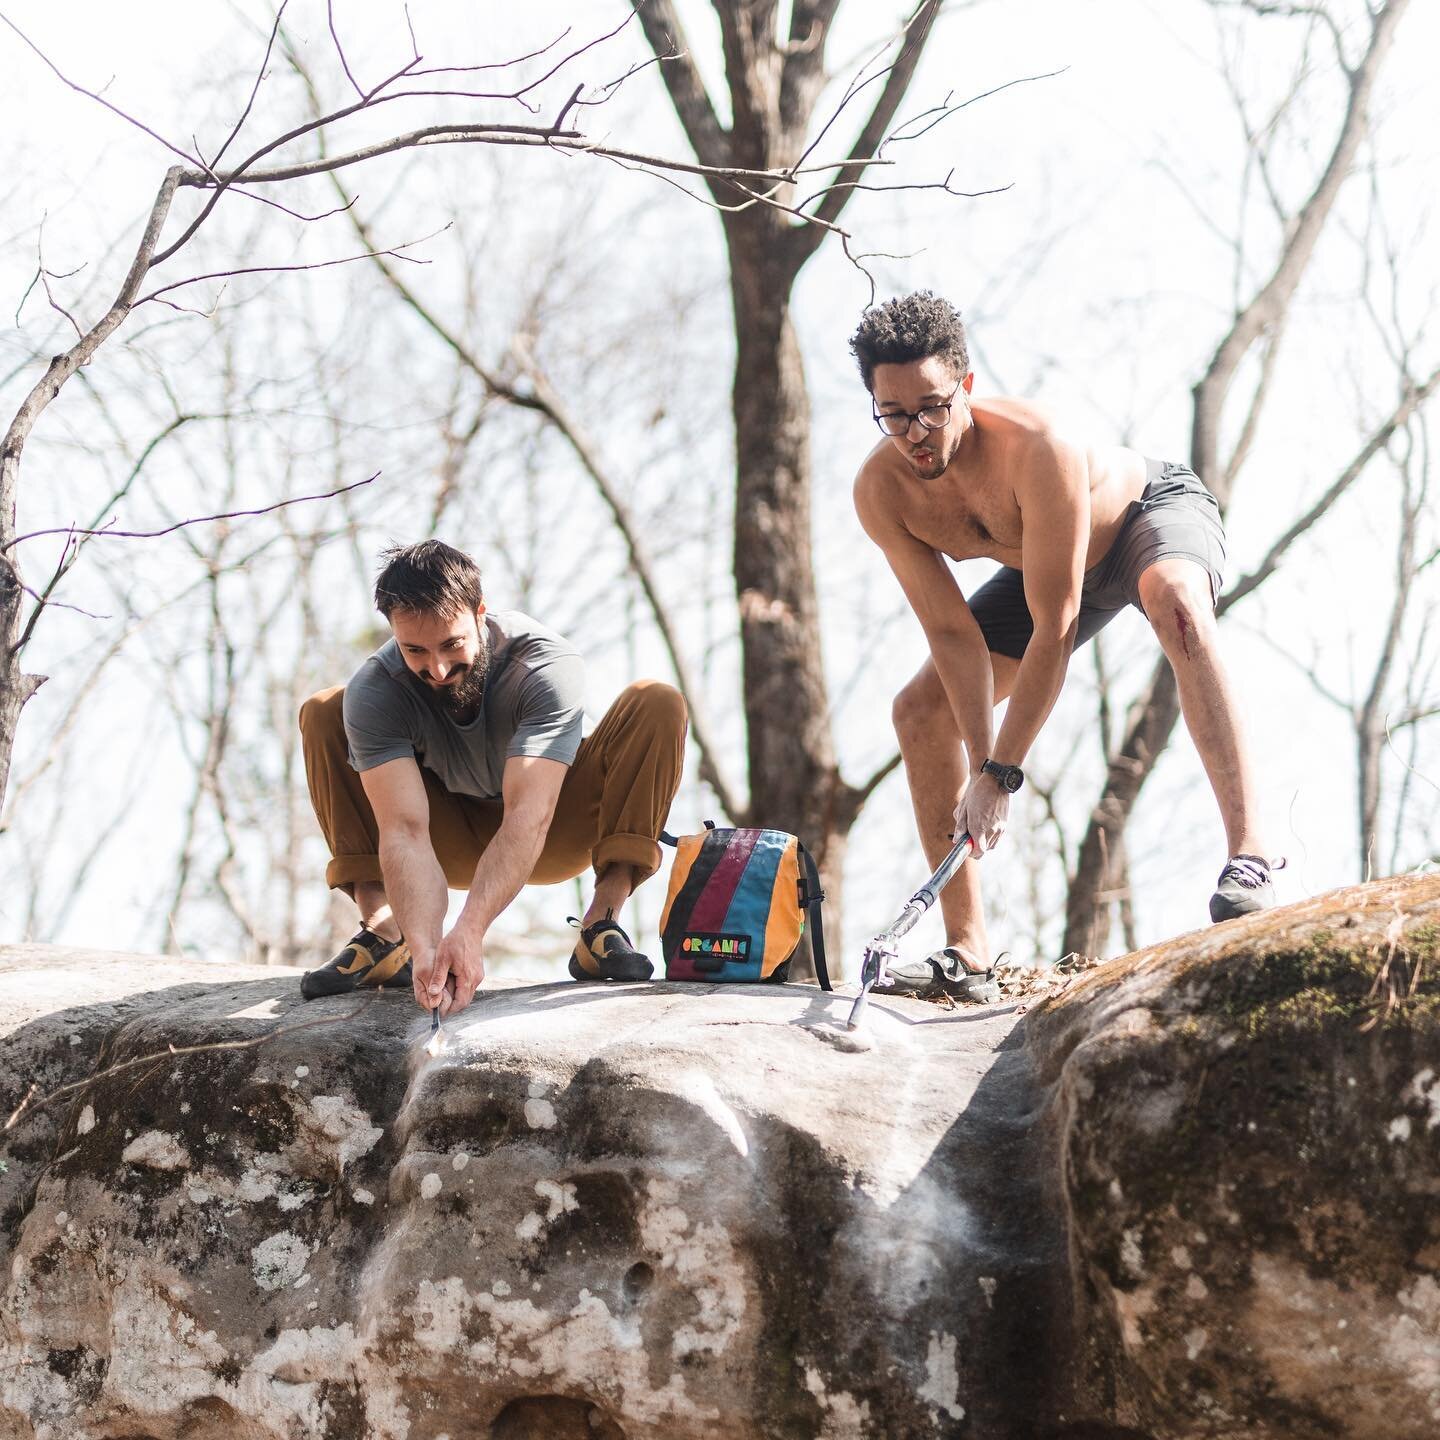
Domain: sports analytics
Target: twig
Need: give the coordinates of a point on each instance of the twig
(109, 534)
(255, 89)
(396, 250)
(339, 48)
(172, 1052)
(99, 99)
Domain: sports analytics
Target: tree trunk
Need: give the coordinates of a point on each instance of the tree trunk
(774, 83)
(794, 783)
(16, 687)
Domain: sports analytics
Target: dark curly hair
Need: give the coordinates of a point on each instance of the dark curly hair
(431, 578)
(910, 327)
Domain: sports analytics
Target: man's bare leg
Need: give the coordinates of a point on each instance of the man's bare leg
(1176, 597)
(936, 769)
(375, 912)
(612, 890)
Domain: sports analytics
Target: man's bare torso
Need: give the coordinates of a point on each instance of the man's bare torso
(970, 509)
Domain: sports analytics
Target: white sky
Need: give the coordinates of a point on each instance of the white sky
(1096, 281)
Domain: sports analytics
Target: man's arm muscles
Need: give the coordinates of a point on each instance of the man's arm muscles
(956, 643)
(530, 787)
(414, 882)
(1055, 513)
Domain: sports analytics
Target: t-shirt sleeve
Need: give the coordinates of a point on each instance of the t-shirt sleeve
(550, 711)
(377, 723)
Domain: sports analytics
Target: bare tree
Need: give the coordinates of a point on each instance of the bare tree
(1256, 329)
(534, 83)
(776, 76)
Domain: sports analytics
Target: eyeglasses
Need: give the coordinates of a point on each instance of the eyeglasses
(932, 417)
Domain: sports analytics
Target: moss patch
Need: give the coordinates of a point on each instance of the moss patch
(1328, 981)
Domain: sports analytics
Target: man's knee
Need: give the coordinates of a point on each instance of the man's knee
(323, 713)
(1178, 602)
(661, 705)
(919, 706)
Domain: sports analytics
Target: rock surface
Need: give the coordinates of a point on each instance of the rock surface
(640, 1211)
(1248, 1129)
(1192, 1195)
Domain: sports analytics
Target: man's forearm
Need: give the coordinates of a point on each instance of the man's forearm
(1032, 697)
(963, 664)
(508, 862)
(415, 887)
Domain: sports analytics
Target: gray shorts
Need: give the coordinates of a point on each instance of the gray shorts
(1175, 515)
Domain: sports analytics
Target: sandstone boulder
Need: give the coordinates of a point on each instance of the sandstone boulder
(1193, 1194)
(1247, 1127)
(640, 1211)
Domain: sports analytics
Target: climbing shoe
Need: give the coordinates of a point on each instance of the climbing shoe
(604, 952)
(944, 973)
(368, 961)
(1244, 887)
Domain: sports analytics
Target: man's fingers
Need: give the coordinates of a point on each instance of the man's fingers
(446, 999)
(420, 980)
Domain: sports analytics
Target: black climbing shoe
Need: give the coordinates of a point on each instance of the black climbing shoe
(368, 961)
(943, 973)
(1244, 887)
(604, 952)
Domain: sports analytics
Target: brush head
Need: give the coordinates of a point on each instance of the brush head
(436, 1042)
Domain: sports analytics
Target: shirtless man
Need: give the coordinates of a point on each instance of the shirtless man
(1081, 532)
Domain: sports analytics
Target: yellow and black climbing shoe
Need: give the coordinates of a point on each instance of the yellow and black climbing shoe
(604, 952)
(368, 961)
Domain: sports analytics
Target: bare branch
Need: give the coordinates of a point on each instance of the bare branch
(395, 250)
(917, 31)
(1270, 301)
(543, 400)
(1246, 439)
(339, 48)
(63, 366)
(99, 98)
(1411, 400)
(110, 534)
(708, 138)
(254, 90)
(287, 210)
(862, 792)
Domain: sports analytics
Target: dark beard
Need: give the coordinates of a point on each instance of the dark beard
(461, 701)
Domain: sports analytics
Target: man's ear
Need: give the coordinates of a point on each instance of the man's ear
(968, 381)
(479, 612)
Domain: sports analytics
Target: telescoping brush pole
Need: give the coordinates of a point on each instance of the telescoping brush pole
(875, 968)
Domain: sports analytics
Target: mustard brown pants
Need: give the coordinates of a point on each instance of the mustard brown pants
(612, 806)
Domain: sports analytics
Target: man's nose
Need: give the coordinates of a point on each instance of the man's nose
(439, 669)
(915, 424)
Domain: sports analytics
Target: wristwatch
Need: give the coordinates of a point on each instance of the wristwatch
(1010, 777)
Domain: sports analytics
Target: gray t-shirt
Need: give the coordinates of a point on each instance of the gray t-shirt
(534, 705)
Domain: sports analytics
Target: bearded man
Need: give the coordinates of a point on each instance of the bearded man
(454, 759)
(1081, 531)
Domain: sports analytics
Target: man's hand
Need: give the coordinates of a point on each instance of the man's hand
(982, 813)
(449, 976)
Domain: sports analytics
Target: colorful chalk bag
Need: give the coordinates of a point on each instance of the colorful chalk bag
(737, 904)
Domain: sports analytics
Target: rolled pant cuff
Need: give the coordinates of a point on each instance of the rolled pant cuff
(640, 852)
(344, 872)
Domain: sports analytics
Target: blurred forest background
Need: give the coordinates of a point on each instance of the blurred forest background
(607, 355)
